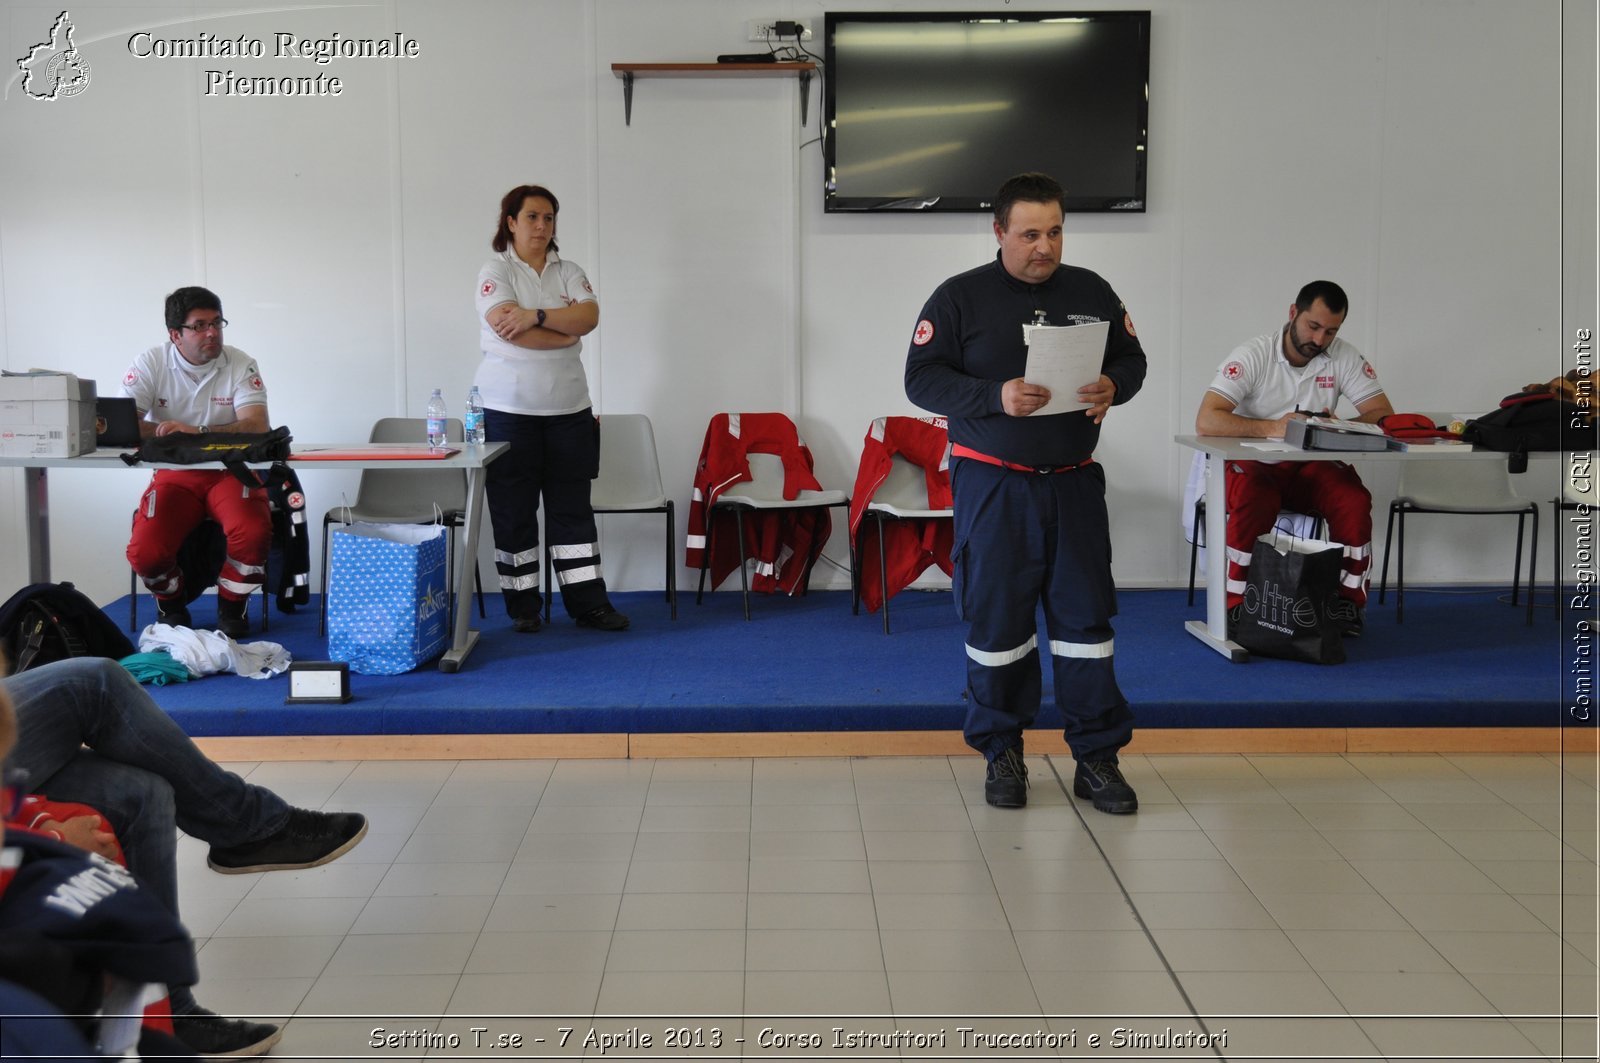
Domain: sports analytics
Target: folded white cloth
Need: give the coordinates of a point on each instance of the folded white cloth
(210, 652)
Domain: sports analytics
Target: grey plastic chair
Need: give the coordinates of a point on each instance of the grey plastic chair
(1457, 486)
(629, 482)
(406, 496)
(764, 491)
(903, 495)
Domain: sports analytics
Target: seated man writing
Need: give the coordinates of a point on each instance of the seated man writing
(1299, 370)
(196, 383)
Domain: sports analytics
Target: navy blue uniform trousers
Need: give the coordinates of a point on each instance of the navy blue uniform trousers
(1022, 538)
(556, 458)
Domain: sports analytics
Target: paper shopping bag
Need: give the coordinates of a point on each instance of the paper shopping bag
(386, 596)
(1285, 611)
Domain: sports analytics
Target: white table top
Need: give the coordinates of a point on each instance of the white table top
(1234, 448)
(466, 458)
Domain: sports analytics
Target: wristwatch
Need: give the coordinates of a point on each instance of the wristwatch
(541, 317)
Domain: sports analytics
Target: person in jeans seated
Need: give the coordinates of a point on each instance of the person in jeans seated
(89, 734)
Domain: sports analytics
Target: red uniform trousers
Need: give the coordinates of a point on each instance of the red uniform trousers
(179, 499)
(1328, 489)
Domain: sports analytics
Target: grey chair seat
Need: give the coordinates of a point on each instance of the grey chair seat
(406, 496)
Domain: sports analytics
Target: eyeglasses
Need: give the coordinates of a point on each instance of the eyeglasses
(13, 792)
(206, 326)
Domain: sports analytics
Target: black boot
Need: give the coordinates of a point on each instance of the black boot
(173, 611)
(231, 620)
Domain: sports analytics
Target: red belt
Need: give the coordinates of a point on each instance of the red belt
(961, 451)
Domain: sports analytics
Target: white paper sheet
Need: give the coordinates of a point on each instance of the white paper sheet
(1064, 359)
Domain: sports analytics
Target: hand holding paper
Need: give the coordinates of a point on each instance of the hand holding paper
(1067, 360)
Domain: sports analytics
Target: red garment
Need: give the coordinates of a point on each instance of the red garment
(38, 809)
(1329, 489)
(784, 543)
(909, 546)
(174, 503)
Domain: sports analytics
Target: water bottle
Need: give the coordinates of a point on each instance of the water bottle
(436, 417)
(472, 417)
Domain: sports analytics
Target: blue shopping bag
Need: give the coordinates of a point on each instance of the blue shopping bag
(386, 596)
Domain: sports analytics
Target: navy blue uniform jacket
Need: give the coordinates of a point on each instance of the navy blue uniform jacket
(968, 342)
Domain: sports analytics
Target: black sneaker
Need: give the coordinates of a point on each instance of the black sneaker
(1350, 617)
(603, 618)
(309, 839)
(526, 625)
(231, 620)
(211, 1036)
(1101, 781)
(174, 613)
(1006, 784)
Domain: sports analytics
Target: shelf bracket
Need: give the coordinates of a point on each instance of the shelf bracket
(627, 98)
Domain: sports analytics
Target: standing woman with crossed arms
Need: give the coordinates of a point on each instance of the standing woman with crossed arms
(533, 305)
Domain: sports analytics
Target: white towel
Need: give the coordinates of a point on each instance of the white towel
(210, 652)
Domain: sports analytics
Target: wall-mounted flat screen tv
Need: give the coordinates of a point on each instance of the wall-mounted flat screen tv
(931, 111)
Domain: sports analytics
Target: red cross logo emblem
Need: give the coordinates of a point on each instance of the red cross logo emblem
(487, 289)
(1366, 367)
(923, 334)
(1232, 370)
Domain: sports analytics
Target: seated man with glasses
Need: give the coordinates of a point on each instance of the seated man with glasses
(196, 383)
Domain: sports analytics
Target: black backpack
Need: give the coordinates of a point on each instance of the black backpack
(1530, 421)
(47, 622)
(234, 449)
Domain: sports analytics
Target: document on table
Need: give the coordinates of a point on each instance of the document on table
(1064, 359)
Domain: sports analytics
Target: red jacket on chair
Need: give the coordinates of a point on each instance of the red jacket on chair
(784, 543)
(909, 546)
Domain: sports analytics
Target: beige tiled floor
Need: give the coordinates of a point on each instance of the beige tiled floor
(1308, 907)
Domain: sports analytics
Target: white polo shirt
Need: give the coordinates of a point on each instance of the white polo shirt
(516, 379)
(166, 387)
(1261, 383)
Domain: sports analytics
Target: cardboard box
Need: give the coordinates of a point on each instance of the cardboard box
(37, 385)
(46, 415)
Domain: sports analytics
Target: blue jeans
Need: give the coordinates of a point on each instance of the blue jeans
(140, 770)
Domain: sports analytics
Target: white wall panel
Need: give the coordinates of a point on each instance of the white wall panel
(1411, 149)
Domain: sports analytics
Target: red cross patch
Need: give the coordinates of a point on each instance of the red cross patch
(1232, 370)
(923, 334)
(256, 384)
(1366, 367)
(296, 500)
(132, 377)
(487, 289)
(1127, 323)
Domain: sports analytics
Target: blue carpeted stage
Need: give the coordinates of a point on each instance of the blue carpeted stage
(1461, 659)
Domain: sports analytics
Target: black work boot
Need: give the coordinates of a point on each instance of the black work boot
(174, 612)
(231, 620)
(1101, 781)
(1006, 784)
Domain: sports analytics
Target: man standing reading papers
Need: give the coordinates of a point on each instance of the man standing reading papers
(1030, 510)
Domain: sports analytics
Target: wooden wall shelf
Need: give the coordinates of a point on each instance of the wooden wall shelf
(628, 71)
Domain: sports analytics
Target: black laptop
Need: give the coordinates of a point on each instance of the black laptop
(116, 423)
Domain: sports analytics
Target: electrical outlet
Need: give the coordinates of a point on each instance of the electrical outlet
(766, 29)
